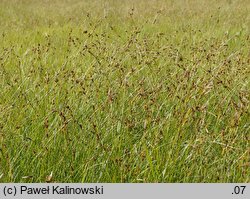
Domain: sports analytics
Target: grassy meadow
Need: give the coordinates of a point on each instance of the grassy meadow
(124, 91)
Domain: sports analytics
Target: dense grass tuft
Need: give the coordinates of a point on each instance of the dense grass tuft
(124, 91)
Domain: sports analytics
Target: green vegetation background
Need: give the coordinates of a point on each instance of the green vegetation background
(124, 91)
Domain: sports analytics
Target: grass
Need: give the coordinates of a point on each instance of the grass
(124, 91)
